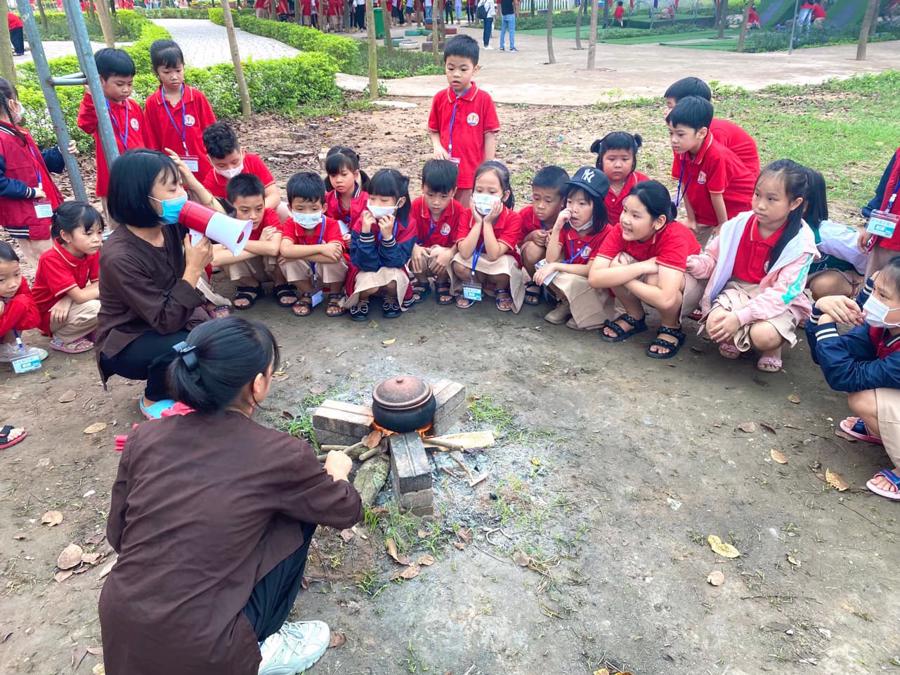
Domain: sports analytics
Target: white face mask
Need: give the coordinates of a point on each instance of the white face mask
(876, 313)
(483, 202)
(307, 220)
(231, 173)
(380, 211)
(18, 114)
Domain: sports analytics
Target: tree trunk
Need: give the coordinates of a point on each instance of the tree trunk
(236, 60)
(436, 7)
(743, 35)
(532, 7)
(592, 38)
(7, 66)
(44, 21)
(580, 13)
(606, 14)
(373, 50)
(109, 35)
(868, 22)
(723, 12)
(551, 57)
(386, 13)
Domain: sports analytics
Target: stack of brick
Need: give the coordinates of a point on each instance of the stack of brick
(411, 474)
(339, 423)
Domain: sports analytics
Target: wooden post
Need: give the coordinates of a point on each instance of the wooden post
(7, 65)
(436, 7)
(373, 50)
(109, 35)
(592, 38)
(866, 29)
(743, 36)
(579, 14)
(236, 60)
(44, 21)
(386, 13)
(723, 13)
(551, 57)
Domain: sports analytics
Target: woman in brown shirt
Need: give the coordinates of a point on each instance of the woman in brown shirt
(212, 517)
(149, 273)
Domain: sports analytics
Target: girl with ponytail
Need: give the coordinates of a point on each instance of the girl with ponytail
(757, 269)
(212, 516)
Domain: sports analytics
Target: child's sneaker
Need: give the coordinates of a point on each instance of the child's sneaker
(10, 352)
(294, 648)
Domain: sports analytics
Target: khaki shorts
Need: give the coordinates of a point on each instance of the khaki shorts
(887, 402)
(735, 296)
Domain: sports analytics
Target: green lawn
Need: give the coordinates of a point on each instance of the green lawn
(673, 39)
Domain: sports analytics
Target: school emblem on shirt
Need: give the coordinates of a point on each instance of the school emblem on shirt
(701, 178)
(445, 229)
(189, 120)
(586, 252)
(134, 123)
(472, 119)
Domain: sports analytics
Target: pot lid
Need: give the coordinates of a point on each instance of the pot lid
(402, 392)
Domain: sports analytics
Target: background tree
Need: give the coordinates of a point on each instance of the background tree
(386, 13)
(373, 49)
(106, 24)
(866, 29)
(44, 22)
(551, 57)
(580, 9)
(721, 15)
(743, 35)
(235, 59)
(592, 38)
(7, 66)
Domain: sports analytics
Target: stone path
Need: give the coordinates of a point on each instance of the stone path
(205, 43)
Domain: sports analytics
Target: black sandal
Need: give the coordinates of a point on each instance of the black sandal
(248, 293)
(673, 347)
(637, 326)
(303, 307)
(442, 295)
(286, 291)
(334, 301)
(421, 292)
(360, 311)
(532, 294)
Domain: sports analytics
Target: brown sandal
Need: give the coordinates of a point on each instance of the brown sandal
(334, 303)
(303, 306)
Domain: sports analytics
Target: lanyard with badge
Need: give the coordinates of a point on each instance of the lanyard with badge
(472, 289)
(577, 254)
(317, 297)
(42, 206)
(883, 223)
(121, 137)
(453, 123)
(192, 162)
(681, 193)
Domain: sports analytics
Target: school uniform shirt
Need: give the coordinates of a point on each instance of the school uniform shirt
(670, 246)
(269, 219)
(20, 312)
(320, 234)
(578, 248)
(202, 508)
(530, 222)
(180, 127)
(507, 229)
(888, 186)
(753, 251)
(736, 139)
(346, 219)
(462, 121)
(217, 184)
(58, 272)
(619, 13)
(128, 127)
(613, 201)
(432, 232)
(714, 169)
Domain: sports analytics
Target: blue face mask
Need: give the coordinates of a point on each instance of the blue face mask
(171, 208)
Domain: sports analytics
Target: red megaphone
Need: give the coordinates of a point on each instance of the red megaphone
(216, 226)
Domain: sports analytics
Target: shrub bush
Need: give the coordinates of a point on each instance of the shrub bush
(175, 13)
(126, 26)
(395, 63)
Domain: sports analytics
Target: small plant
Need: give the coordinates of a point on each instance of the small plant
(485, 411)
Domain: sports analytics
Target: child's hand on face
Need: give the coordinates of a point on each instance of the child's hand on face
(544, 272)
(386, 225)
(562, 219)
(841, 308)
(368, 221)
(494, 215)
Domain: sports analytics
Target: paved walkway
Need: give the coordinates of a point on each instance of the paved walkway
(206, 44)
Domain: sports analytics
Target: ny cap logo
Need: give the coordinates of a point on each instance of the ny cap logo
(588, 175)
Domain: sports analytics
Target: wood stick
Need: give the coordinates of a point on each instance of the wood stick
(329, 448)
(369, 454)
(462, 465)
(443, 446)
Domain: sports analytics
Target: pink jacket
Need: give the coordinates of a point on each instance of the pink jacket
(782, 287)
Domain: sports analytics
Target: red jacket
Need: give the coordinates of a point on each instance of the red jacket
(23, 162)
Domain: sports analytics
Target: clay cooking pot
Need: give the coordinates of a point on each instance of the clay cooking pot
(404, 403)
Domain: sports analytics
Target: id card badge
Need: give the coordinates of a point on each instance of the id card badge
(472, 291)
(345, 228)
(191, 162)
(43, 209)
(550, 277)
(317, 298)
(26, 364)
(882, 224)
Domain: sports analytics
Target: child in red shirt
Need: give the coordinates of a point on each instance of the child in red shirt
(312, 247)
(463, 122)
(712, 182)
(257, 262)
(116, 71)
(644, 261)
(18, 311)
(617, 157)
(345, 200)
(578, 232)
(228, 159)
(547, 196)
(176, 114)
(435, 215)
(66, 285)
(487, 242)
(619, 14)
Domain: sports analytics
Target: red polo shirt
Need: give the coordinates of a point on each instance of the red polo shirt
(464, 139)
(530, 221)
(738, 141)
(128, 127)
(321, 234)
(270, 219)
(58, 272)
(333, 208)
(20, 311)
(507, 229)
(180, 128)
(217, 184)
(714, 169)
(613, 201)
(670, 246)
(578, 248)
(432, 232)
(752, 255)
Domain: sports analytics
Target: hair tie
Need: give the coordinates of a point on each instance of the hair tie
(186, 352)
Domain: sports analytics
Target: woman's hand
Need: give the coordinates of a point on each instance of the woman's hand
(842, 308)
(338, 465)
(545, 272)
(724, 327)
(368, 222)
(386, 225)
(197, 256)
(561, 220)
(494, 215)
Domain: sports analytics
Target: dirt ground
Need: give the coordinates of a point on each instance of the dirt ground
(585, 548)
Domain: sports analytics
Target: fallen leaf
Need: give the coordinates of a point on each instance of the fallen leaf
(778, 456)
(95, 651)
(521, 559)
(722, 548)
(388, 342)
(347, 535)
(465, 535)
(95, 539)
(52, 518)
(716, 578)
(372, 440)
(836, 480)
(747, 427)
(96, 427)
(67, 396)
(106, 569)
(91, 558)
(337, 640)
(98, 670)
(60, 577)
(535, 461)
(422, 534)
(768, 427)
(793, 398)
(602, 671)
(425, 560)
(459, 545)
(391, 547)
(791, 559)
(410, 572)
(70, 557)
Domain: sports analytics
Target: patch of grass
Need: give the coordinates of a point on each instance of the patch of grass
(487, 413)
(300, 426)
(370, 583)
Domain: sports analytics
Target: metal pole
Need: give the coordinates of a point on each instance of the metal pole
(794, 26)
(53, 105)
(82, 42)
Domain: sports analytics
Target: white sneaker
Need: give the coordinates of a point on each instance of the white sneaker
(295, 647)
(9, 352)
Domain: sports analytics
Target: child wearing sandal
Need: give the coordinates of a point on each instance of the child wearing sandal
(757, 268)
(257, 262)
(346, 199)
(18, 311)
(66, 285)
(381, 245)
(312, 248)
(538, 218)
(643, 260)
(579, 230)
(865, 363)
(617, 158)
(435, 215)
(487, 243)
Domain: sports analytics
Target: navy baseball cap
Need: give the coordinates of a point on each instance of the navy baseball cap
(590, 179)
